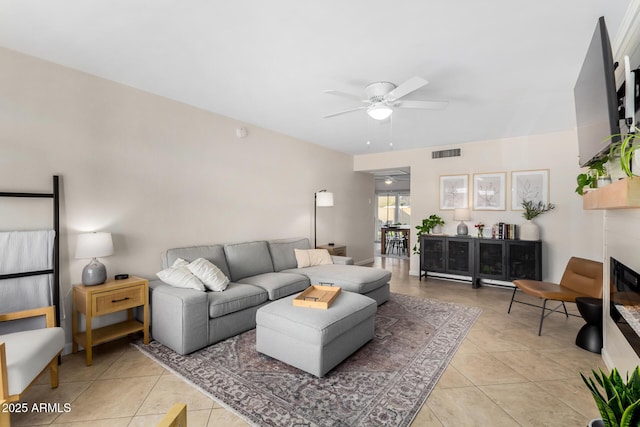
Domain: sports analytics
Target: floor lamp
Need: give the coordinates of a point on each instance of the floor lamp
(322, 198)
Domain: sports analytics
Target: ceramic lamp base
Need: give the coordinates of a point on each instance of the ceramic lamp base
(462, 230)
(94, 273)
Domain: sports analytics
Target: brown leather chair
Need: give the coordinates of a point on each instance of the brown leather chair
(581, 278)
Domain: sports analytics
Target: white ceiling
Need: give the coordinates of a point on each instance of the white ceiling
(507, 66)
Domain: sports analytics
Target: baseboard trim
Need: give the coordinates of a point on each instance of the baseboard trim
(607, 359)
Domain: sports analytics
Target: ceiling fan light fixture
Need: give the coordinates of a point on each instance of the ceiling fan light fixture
(379, 111)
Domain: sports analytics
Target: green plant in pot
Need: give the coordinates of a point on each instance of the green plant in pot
(589, 179)
(427, 226)
(532, 210)
(619, 406)
(530, 230)
(624, 150)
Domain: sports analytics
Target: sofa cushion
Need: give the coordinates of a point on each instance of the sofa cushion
(353, 278)
(27, 352)
(248, 259)
(236, 297)
(212, 253)
(282, 252)
(180, 276)
(311, 257)
(279, 285)
(211, 276)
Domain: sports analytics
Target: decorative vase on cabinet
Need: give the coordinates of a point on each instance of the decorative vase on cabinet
(529, 231)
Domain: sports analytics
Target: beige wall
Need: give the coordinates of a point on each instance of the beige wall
(566, 231)
(160, 174)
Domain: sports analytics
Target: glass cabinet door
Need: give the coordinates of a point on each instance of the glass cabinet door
(524, 260)
(432, 253)
(491, 259)
(459, 254)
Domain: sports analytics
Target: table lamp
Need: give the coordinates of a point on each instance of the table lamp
(462, 215)
(94, 245)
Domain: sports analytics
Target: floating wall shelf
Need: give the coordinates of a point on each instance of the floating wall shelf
(622, 194)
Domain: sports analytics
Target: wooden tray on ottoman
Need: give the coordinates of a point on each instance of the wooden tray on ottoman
(317, 296)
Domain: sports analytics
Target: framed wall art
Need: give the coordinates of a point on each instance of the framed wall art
(454, 192)
(529, 185)
(489, 191)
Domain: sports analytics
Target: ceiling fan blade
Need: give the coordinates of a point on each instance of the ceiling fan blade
(406, 88)
(345, 111)
(426, 105)
(345, 95)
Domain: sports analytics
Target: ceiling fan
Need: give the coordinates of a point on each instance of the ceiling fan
(382, 97)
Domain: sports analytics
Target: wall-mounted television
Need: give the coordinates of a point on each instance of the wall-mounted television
(596, 98)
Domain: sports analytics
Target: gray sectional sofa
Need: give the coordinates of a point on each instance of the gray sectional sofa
(187, 320)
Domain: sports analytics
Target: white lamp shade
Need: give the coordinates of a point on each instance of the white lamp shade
(379, 112)
(324, 199)
(94, 245)
(462, 214)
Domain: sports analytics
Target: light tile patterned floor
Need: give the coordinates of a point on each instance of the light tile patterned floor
(502, 375)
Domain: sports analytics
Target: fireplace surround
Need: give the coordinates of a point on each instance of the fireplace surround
(625, 302)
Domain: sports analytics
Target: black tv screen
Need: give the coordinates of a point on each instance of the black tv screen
(596, 99)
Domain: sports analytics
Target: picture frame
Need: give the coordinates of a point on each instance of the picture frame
(454, 192)
(529, 185)
(489, 191)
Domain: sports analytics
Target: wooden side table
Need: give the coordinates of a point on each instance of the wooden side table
(336, 249)
(110, 297)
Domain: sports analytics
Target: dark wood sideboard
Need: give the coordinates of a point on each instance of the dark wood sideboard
(478, 258)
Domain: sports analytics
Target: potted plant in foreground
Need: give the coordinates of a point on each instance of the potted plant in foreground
(427, 226)
(530, 230)
(620, 404)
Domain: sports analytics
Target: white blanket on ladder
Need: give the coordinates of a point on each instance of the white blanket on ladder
(22, 251)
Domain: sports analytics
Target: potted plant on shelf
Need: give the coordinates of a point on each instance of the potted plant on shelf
(530, 230)
(427, 227)
(595, 177)
(624, 150)
(620, 404)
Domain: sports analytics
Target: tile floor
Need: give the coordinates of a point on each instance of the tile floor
(502, 375)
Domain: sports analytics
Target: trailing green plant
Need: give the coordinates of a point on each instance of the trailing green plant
(532, 210)
(625, 149)
(585, 180)
(619, 406)
(589, 179)
(427, 226)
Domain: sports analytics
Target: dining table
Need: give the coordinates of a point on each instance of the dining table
(405, 230)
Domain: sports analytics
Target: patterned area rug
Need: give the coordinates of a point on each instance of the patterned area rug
(384, 383)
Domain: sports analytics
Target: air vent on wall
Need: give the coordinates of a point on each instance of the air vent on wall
(454, 152)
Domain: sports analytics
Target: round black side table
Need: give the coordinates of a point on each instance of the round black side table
(590, 336)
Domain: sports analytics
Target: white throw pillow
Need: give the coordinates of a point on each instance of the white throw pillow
(311, 257)
(209, 274)
(178, 275)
